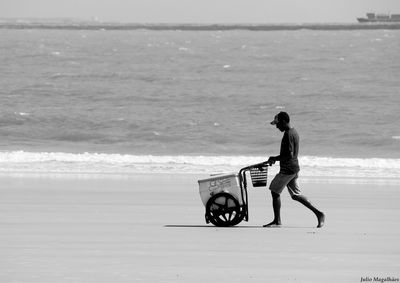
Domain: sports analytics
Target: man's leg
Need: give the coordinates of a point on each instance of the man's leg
(277, 185)
(276, 204)
(297, 196)
(320, 215)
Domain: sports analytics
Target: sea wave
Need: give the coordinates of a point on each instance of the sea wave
(102, 163)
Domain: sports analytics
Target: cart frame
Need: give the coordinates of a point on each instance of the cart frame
(223, 209)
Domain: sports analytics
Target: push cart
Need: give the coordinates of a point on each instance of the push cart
(225, 196)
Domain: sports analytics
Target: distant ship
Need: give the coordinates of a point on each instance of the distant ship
(379, 18)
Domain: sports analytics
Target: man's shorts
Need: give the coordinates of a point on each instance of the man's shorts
(284, 180)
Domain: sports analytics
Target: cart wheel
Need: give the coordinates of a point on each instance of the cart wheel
(223, 210)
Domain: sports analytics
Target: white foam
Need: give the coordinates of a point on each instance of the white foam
(311, 166)
(22, 113)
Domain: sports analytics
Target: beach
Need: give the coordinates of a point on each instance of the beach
(105, 132)
(151, 228)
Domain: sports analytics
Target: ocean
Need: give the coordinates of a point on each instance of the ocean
(171, 101)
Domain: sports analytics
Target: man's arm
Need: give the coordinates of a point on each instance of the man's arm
(273, 159)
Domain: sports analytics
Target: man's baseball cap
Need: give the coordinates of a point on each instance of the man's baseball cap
(281, 116)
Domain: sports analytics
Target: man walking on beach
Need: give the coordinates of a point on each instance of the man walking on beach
(288, 174)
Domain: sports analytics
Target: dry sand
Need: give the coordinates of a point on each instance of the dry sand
(150, 228)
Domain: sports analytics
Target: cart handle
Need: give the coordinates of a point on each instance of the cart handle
(243, 184)
(242, 175)
(261, 164)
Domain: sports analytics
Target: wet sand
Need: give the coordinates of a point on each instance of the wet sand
(151, 228)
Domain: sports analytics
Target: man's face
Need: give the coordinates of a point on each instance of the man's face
(281, 126)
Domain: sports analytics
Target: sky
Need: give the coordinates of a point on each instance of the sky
(199, 11)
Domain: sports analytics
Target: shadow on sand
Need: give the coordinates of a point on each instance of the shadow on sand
(232, 227)
(206, 226)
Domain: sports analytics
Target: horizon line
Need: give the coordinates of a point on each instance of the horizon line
(95, 25)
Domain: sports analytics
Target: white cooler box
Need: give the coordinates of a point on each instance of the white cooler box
(221, 183)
